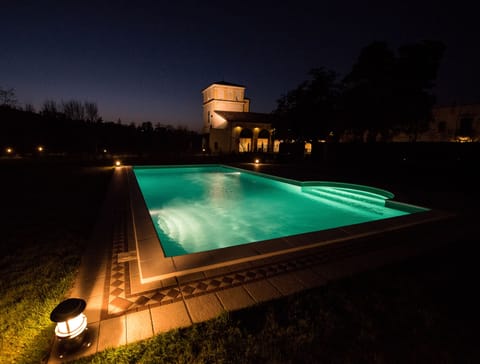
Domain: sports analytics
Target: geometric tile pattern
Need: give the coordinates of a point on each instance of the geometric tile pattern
(118, 298)
(117, 283)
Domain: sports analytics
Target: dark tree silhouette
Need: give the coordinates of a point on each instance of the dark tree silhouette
(308, 111)
(73, 110)
(49, 107)
(8, 97)
(91, 111)
(25, 130)
(385, 91)
(417, 68)
(368, 100)
(29, 108)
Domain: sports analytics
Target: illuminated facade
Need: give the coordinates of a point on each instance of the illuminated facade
(228, 124)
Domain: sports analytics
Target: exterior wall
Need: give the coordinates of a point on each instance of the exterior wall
(219, 141)
(224, 136)
(454, 123)
(228, 139)
(224, 98)
(223, 92)
(216, 121)
(254, 142)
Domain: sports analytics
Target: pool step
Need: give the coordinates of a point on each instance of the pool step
(126, 256)
(347, 198)
(358, 194)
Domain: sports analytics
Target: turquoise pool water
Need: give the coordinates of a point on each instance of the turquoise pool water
(200, 208)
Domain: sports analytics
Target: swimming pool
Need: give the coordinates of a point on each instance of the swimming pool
(201, 208)
(149, 262)
(148, 259)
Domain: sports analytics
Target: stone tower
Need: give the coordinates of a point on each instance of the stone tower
(222, 96)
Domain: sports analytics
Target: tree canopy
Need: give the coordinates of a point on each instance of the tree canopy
(300, 110)
(7, 97)
(385, 90)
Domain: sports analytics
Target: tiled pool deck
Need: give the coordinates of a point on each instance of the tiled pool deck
(120, 309)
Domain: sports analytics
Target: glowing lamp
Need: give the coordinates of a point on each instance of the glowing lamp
(9, 150)
(118, 163)
(71, 329)
(464, 139)
(40, 148)
(257, 161)
(71, 322)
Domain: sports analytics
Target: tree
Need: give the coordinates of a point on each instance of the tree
(417, 68)
(91, 111)
(308, 111)
(8, 97)
(49, 107)
(29, 108)
(146, 127)
(387, 90)
(73, 110)
(368, 101)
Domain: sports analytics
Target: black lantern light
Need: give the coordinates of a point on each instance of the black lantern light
(71, 323)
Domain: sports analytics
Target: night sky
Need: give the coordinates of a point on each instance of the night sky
(146, 61)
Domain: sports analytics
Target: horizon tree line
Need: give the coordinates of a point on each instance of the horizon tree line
(75, 127)
(386, 91)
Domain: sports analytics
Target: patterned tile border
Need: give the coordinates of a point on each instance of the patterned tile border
(120, 300)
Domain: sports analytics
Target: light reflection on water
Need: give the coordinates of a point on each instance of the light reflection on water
(195, 212)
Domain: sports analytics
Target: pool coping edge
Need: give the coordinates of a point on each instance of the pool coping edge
(154, 266)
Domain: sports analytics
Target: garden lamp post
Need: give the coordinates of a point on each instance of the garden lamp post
(71, 323)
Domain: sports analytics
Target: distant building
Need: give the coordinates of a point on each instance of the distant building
(228, 124)
(455, 123)
(459, 123)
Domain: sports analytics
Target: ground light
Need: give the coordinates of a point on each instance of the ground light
(71, 325)
(257, 161)
(40, 148)
(118, 163)
(9, 150)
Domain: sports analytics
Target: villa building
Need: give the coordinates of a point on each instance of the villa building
(230, 127)
(228, 124)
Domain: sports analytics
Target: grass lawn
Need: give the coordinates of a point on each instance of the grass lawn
(47, 215)
(415, 312)
(422, 310)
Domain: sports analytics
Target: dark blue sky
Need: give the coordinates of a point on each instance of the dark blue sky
(143, 60)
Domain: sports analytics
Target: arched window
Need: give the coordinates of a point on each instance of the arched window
(245, 140)
(246, 133)
(263, 140)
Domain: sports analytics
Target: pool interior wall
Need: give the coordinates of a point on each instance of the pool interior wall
(196, 209)
(154, 264)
